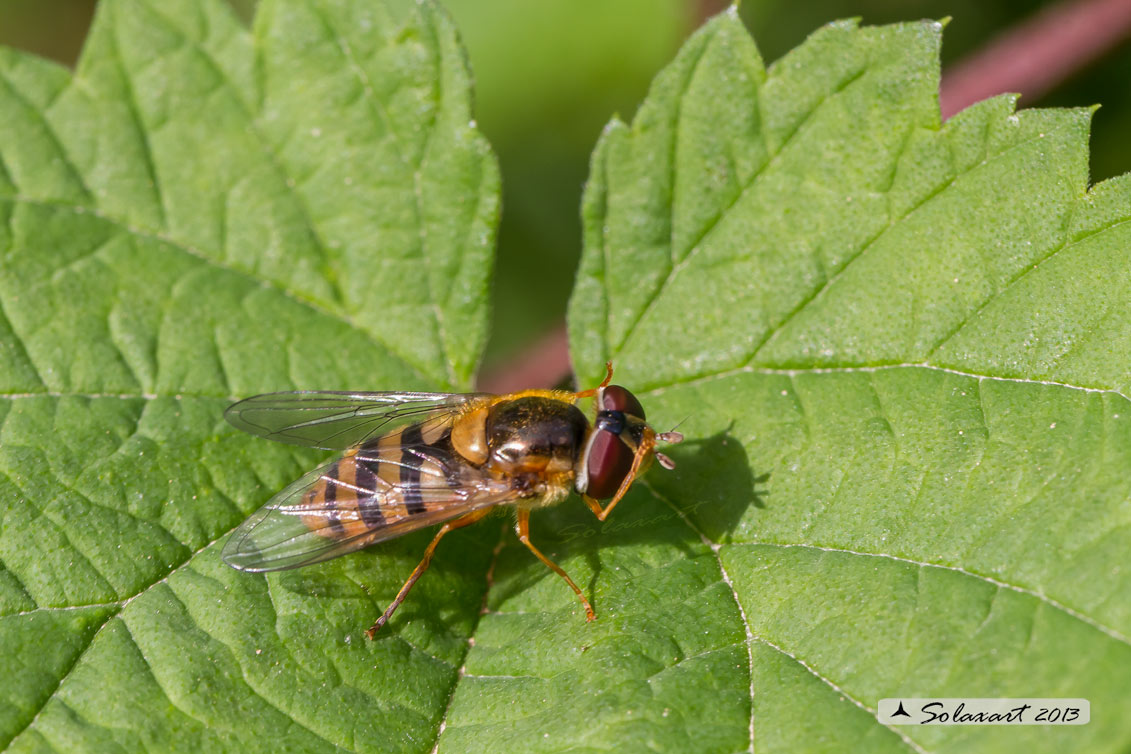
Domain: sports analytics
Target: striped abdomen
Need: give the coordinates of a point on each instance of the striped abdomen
(407, 473)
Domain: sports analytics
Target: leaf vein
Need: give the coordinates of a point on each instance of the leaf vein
(377, 107)
(143, 133)
(290, 717)
(751, 637)
(109, 619)
(19, 584)
(266, 148)
(911, 743)
(51, 134)
(61, 609)
(1084, 235)
(19, 343)
(461, 669)
(830, 281)
(660, 389)
(1042, 598)
(217, 264)
(734, 594)
(375, 104)
(51, 694)
(697, 244)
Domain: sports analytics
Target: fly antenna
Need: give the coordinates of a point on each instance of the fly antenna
(672, 436)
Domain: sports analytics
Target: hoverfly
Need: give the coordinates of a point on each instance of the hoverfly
(413, 460)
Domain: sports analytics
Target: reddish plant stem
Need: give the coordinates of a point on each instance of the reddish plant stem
(704, 9)
(543, 363)
(1035, 55)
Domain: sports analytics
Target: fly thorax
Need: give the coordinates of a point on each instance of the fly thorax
(535, 436)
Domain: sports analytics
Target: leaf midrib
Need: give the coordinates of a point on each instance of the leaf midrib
(773, 332)
(871, 368)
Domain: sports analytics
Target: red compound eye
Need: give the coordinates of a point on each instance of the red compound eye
(617, 398)
(607, 464)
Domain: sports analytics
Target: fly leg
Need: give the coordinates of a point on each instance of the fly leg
(458, 523)
(593, 391)
(523, 531)
(646, 446)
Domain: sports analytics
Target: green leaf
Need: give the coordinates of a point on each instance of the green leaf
(904, 352)
(901, 348)
(197, 213)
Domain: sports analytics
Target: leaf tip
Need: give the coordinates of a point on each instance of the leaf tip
(845, 24)
(615, 123)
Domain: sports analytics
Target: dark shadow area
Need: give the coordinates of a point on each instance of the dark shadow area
(713, 483)
(447, 596)
(712, 486)
(341, 578)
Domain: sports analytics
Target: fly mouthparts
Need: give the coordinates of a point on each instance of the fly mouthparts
(668, 437)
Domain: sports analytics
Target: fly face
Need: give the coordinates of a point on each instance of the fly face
(620, 446)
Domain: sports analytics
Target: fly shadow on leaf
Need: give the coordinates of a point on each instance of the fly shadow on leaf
(709, 491)
(713, 483)
(356, 588)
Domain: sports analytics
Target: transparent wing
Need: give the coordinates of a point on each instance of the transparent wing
(339, 508)
(337, 421)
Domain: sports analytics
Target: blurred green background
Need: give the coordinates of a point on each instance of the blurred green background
(550, 73)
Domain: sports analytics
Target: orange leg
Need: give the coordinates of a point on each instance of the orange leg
(593, 391)
(459, 523)
(523, 530)
(646, 446)
(595, 506)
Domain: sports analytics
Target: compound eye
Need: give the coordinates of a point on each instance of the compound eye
(617, 398)
(607, 464)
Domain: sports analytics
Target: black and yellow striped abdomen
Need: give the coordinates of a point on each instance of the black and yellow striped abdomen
(405, 473)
